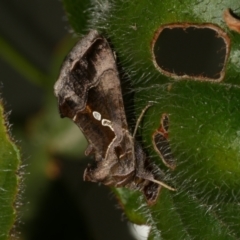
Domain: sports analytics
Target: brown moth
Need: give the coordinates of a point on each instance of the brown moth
(89, 92)
(161, 143)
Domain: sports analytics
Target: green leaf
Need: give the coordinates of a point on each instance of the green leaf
(204, 131)
(9, 180)
(77, 13)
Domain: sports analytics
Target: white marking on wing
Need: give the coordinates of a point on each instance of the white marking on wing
(107, 123)
(97, 115)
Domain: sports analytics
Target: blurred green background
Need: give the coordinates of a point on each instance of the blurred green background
(56, 203)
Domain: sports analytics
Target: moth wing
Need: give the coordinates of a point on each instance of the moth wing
(89, 93)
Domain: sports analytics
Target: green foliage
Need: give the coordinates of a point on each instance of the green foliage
(204, 119)
(9, 180)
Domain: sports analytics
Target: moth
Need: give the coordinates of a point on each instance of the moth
(89, 92)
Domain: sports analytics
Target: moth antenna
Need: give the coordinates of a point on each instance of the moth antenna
(163, 184)
(150, 103)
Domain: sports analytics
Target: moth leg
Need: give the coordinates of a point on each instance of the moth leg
(150, 176)
(163, 184)
(140, 117)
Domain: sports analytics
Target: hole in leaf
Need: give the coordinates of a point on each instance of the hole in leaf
(192, 51)
(232, 20)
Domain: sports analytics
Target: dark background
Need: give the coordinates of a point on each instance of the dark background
(68, 208)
